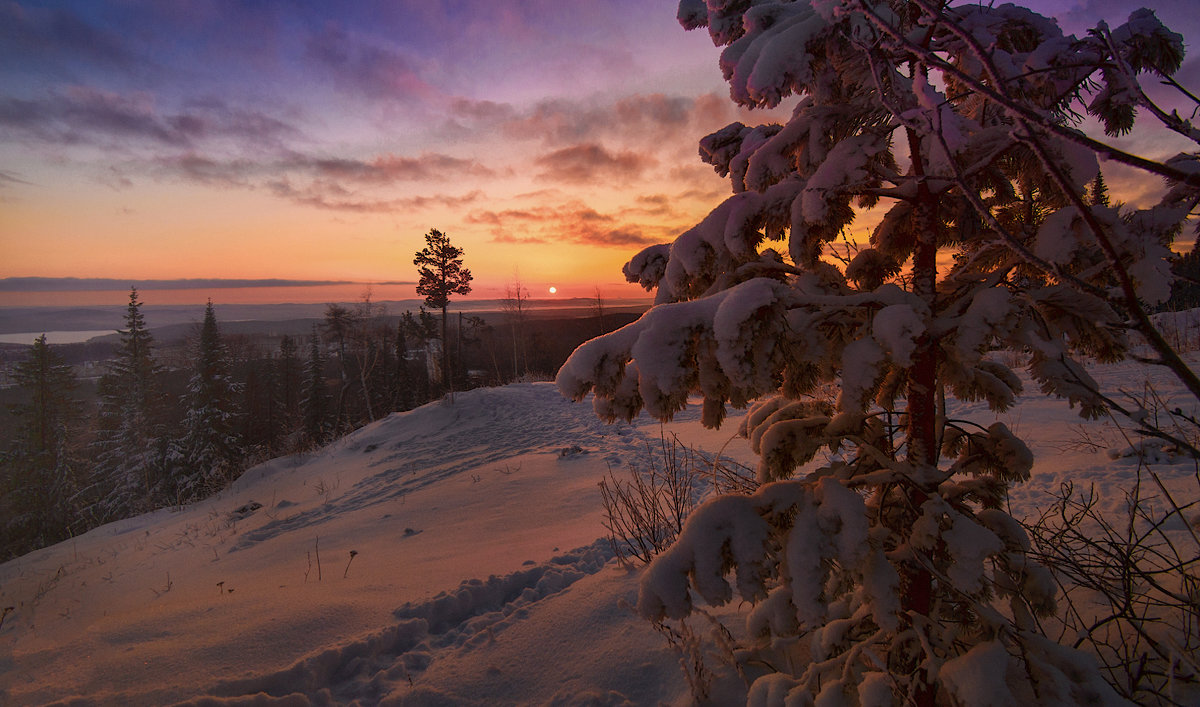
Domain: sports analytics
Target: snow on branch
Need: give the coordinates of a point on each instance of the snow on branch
(729, 345)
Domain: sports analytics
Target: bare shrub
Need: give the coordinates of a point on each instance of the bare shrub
(1130, 591)
(1158, 427)
(1130, 582)
(728, 476)
(1158, 417)
(645, 507)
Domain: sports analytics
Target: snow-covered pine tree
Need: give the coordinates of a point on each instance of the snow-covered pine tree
(206, 458)
(315, 401)
(128, 468)
(890, 574)
(39, 480)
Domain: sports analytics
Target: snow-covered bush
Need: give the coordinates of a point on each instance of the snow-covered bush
(891, 574)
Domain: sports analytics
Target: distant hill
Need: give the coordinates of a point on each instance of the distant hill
(15, 320)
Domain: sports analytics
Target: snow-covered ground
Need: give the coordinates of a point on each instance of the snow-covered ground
(450, 555)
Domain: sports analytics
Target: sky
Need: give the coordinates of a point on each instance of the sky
(551, 139)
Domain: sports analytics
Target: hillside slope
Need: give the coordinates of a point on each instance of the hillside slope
(453, 554)
(224, 598)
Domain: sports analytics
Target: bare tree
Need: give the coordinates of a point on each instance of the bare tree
(598, 310)
(515, 306)
(368, 344)
(339, 323)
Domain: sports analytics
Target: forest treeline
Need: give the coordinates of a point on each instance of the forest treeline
(163, 430)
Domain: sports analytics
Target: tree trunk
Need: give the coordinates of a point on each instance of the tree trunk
(516, 356)
(445, 352)
(921, 434)
(362, 378)
(922, 382)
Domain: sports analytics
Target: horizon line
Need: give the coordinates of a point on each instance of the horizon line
(83, 284)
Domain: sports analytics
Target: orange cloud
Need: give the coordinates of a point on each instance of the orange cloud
(572, 222)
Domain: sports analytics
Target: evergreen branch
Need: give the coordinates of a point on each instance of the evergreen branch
(1172, 121)
(1015, 107)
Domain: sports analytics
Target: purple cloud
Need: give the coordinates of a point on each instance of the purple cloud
(84, 115)
(387, 169)
(331, 196)
(590, 163)
(639, 119)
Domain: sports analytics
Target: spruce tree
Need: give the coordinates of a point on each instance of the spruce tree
(289, 373)
(1185, 290)
(40, 476)
(209, 453)
(339, 325)
(315, 401)
(893, 561)
(129, 468)
(1098, 194)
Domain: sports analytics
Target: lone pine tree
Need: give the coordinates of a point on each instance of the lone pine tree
(891, 574)
(442, 274)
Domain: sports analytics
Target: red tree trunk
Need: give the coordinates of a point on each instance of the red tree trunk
(922, 433)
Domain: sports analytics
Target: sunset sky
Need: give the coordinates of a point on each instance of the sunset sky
(320, 141)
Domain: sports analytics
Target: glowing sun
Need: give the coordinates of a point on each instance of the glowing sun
(553, 289)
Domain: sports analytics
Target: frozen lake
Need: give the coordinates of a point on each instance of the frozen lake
(54, 337)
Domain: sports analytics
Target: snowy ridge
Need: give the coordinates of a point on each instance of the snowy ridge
(410, 451)
(349, 574)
